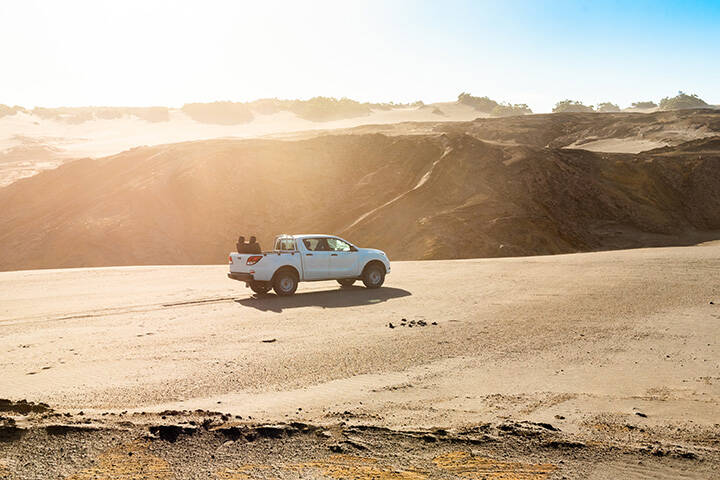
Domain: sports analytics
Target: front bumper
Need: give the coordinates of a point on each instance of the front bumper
(243, 277)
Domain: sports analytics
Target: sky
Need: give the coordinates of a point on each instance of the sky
(152, 52)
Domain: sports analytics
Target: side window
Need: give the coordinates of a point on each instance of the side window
(338, 245)
(287, 244)
(311, 243)
(316, 244)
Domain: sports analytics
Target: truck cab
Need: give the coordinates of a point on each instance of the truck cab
(306, 258)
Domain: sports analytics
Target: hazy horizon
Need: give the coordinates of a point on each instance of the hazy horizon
(398, 104)
(84, 53)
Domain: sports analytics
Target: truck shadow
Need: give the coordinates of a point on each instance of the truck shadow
(337, 298)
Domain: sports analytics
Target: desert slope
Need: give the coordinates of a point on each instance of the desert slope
(36, 140)
(40, 139)
(418, 197)
(601, 132)
(485, 200)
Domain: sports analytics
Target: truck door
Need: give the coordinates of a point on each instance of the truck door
(316, 259)
(343, 259)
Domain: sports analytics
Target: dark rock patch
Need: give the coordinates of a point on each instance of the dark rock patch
(23, 407)
(171, 433)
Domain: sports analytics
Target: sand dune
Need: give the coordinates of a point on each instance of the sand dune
(22, 134)
(617, 145)
(598, 132)
(590, 362)
(101, 137)
(436, 195)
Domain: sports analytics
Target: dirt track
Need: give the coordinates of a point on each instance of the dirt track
(600, 346)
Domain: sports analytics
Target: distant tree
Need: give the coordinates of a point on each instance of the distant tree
(6, 110)
(571, 106)
(72, 115)
(644, 105)
(323, 109)
(682, 101)
(607, 107)
(481, 104)
(380, 106)
(508, 110)
(108, 113)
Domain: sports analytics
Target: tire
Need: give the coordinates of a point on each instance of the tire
(373, 276)
(285, 283)
(346, 282)
(261, 288)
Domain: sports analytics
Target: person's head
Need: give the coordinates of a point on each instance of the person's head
(241, 239)
(253, 239)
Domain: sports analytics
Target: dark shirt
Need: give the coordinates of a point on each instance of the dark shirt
(253, 248)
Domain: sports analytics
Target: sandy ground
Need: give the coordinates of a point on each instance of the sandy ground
(596, 346)
(600, 330)
(618, 145)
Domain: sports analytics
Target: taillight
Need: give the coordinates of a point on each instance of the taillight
(229, 258)
(253, 259)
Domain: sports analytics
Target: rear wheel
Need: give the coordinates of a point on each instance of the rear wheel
(373, 276)
(285, 283)
(261, 288)
(346, 282)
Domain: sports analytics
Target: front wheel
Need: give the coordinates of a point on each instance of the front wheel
(346, 282)
(285, 283)
(373, 276)
(261, 288)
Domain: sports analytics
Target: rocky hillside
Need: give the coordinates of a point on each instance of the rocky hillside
(423, 196)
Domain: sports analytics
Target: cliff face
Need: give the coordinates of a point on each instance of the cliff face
(425, 196)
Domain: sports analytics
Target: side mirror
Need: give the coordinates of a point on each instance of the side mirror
(353, 249)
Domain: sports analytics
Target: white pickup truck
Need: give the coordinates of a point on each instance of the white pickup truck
(308, 258)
